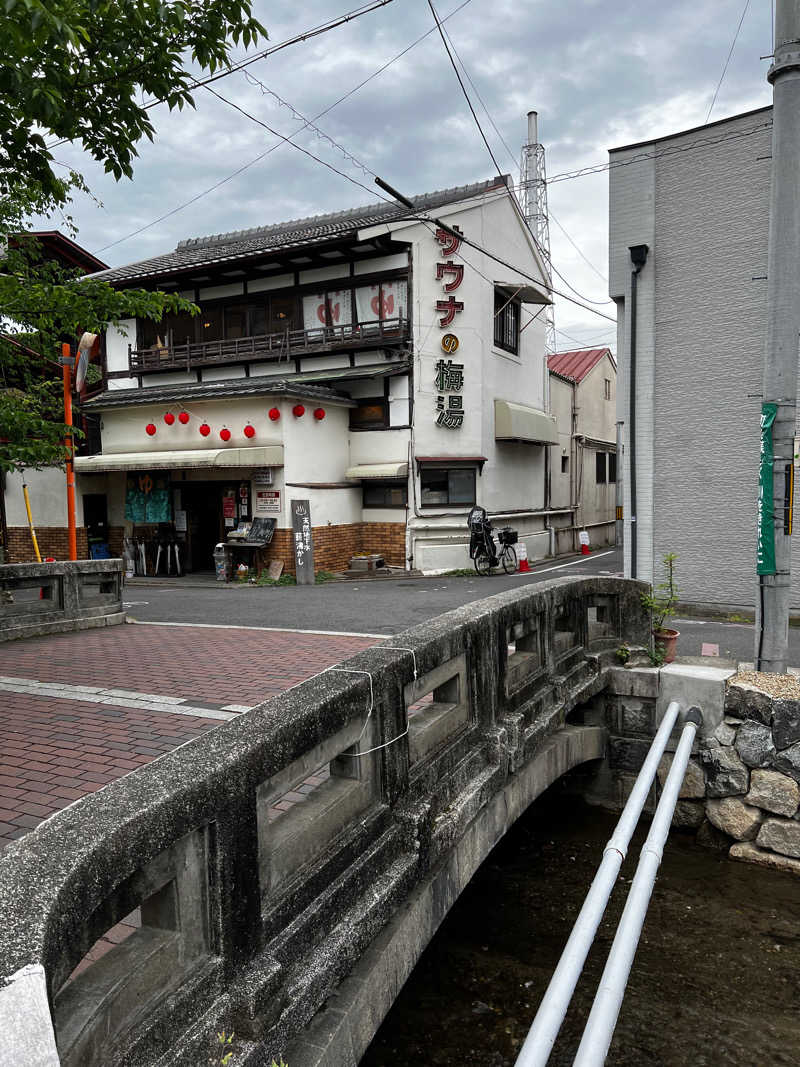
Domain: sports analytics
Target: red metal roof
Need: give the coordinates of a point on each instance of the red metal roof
(576, 365)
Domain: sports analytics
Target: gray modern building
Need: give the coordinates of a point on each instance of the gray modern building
(691, 210)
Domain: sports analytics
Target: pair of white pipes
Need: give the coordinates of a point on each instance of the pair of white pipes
(608, 1001)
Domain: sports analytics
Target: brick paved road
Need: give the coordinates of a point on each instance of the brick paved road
(54, 750)
(222, 666)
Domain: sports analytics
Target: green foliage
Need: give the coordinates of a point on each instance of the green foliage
(460, 572)
(285, 579)
(84, 70)
(41, 303)
(663, 598)
(223, 1049)
(324, 576)
(623, 653)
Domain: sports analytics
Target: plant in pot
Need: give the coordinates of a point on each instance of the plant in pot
(661, 601)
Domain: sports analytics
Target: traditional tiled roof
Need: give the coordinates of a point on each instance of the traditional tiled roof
(197, 252)
(576, 365)
(234, 387)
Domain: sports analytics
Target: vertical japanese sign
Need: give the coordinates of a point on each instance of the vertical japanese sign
(766, 494)
(449, 375)
(303, 544)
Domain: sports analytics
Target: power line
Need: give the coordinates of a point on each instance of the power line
(417, 217)
(644, 157)
(587, 261)
(463, 87)
(279, 143)
(727, 61)
(480, 98)
(307, 35)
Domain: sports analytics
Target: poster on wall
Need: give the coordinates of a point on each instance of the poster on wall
(147, 498)
(229, 505)
(303, 544)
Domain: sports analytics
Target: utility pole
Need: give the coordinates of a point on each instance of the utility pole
(778, 418)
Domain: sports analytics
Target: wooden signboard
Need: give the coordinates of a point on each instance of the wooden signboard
(303, 544)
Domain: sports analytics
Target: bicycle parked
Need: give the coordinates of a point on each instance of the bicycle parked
(482, 549)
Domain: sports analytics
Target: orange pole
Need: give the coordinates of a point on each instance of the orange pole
(66, 357)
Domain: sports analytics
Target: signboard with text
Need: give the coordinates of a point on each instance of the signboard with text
(268, 501)
(303, 543)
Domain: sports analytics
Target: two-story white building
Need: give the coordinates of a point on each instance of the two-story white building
(369, 362)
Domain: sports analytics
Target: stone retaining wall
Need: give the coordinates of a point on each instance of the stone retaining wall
(752, 769)
(741, 791)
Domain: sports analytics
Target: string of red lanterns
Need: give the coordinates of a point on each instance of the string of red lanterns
(225, 434)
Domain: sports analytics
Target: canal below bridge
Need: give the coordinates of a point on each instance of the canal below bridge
(715, 981)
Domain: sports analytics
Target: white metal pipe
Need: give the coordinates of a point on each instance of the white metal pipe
(544, 1029)
(593, 1048)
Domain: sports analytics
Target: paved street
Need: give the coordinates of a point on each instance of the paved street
(380, 606)
(82, 709)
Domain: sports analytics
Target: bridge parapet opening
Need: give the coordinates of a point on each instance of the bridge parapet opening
(418, 754)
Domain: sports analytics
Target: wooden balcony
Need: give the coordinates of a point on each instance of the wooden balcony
(270, 346)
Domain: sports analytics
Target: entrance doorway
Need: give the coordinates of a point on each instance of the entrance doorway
(202, 502)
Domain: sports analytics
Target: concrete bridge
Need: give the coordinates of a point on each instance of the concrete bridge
(290, 867)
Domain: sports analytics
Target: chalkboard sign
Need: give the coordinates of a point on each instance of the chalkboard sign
(262, 530)
(303, 544)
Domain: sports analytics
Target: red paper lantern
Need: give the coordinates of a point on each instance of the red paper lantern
(205, 429)
(249, 431)
(319, 414)
(169, 418)
(150, 429)
(274, 414)
(183, 417)
(225, 433)
(298, 411)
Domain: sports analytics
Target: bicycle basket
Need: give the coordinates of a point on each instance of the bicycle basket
(507, 536)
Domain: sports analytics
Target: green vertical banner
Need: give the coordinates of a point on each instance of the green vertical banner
(766, 494)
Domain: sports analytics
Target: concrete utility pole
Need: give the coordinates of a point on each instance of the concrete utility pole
(783, 331)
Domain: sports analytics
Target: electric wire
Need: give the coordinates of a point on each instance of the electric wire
(543, 251)
(727, 61)
(299, 38)
(463, 87)
(278, 144)
(645, 157)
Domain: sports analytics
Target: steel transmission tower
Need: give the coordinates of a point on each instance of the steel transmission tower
(533, 196)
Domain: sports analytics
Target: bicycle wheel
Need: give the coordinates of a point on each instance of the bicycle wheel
(509, 558)
(483, 562)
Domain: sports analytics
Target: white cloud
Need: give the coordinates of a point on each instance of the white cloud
(599, 74)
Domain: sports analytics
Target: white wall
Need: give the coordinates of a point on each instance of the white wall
(47, 490)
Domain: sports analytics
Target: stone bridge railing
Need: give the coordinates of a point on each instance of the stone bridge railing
(42, 598)
(294, 922)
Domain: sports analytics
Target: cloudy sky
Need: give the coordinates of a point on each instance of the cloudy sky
(600, 74)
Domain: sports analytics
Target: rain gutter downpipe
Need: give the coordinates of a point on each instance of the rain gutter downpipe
(544, 1029)
(638, 258)
(593, 1048)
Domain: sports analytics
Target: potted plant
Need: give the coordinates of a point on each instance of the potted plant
(661, 602)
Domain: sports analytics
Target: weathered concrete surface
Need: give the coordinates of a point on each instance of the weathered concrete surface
(45, 598)
(280, 942)
(702, 686)
(25, 1025)
(342, 1032)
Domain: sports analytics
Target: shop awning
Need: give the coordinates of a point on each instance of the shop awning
(516, 422)
(370, 471)
(257, 456)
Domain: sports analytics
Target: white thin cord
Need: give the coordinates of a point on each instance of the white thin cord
(350, 670)
(366, 752)
(399, 648)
